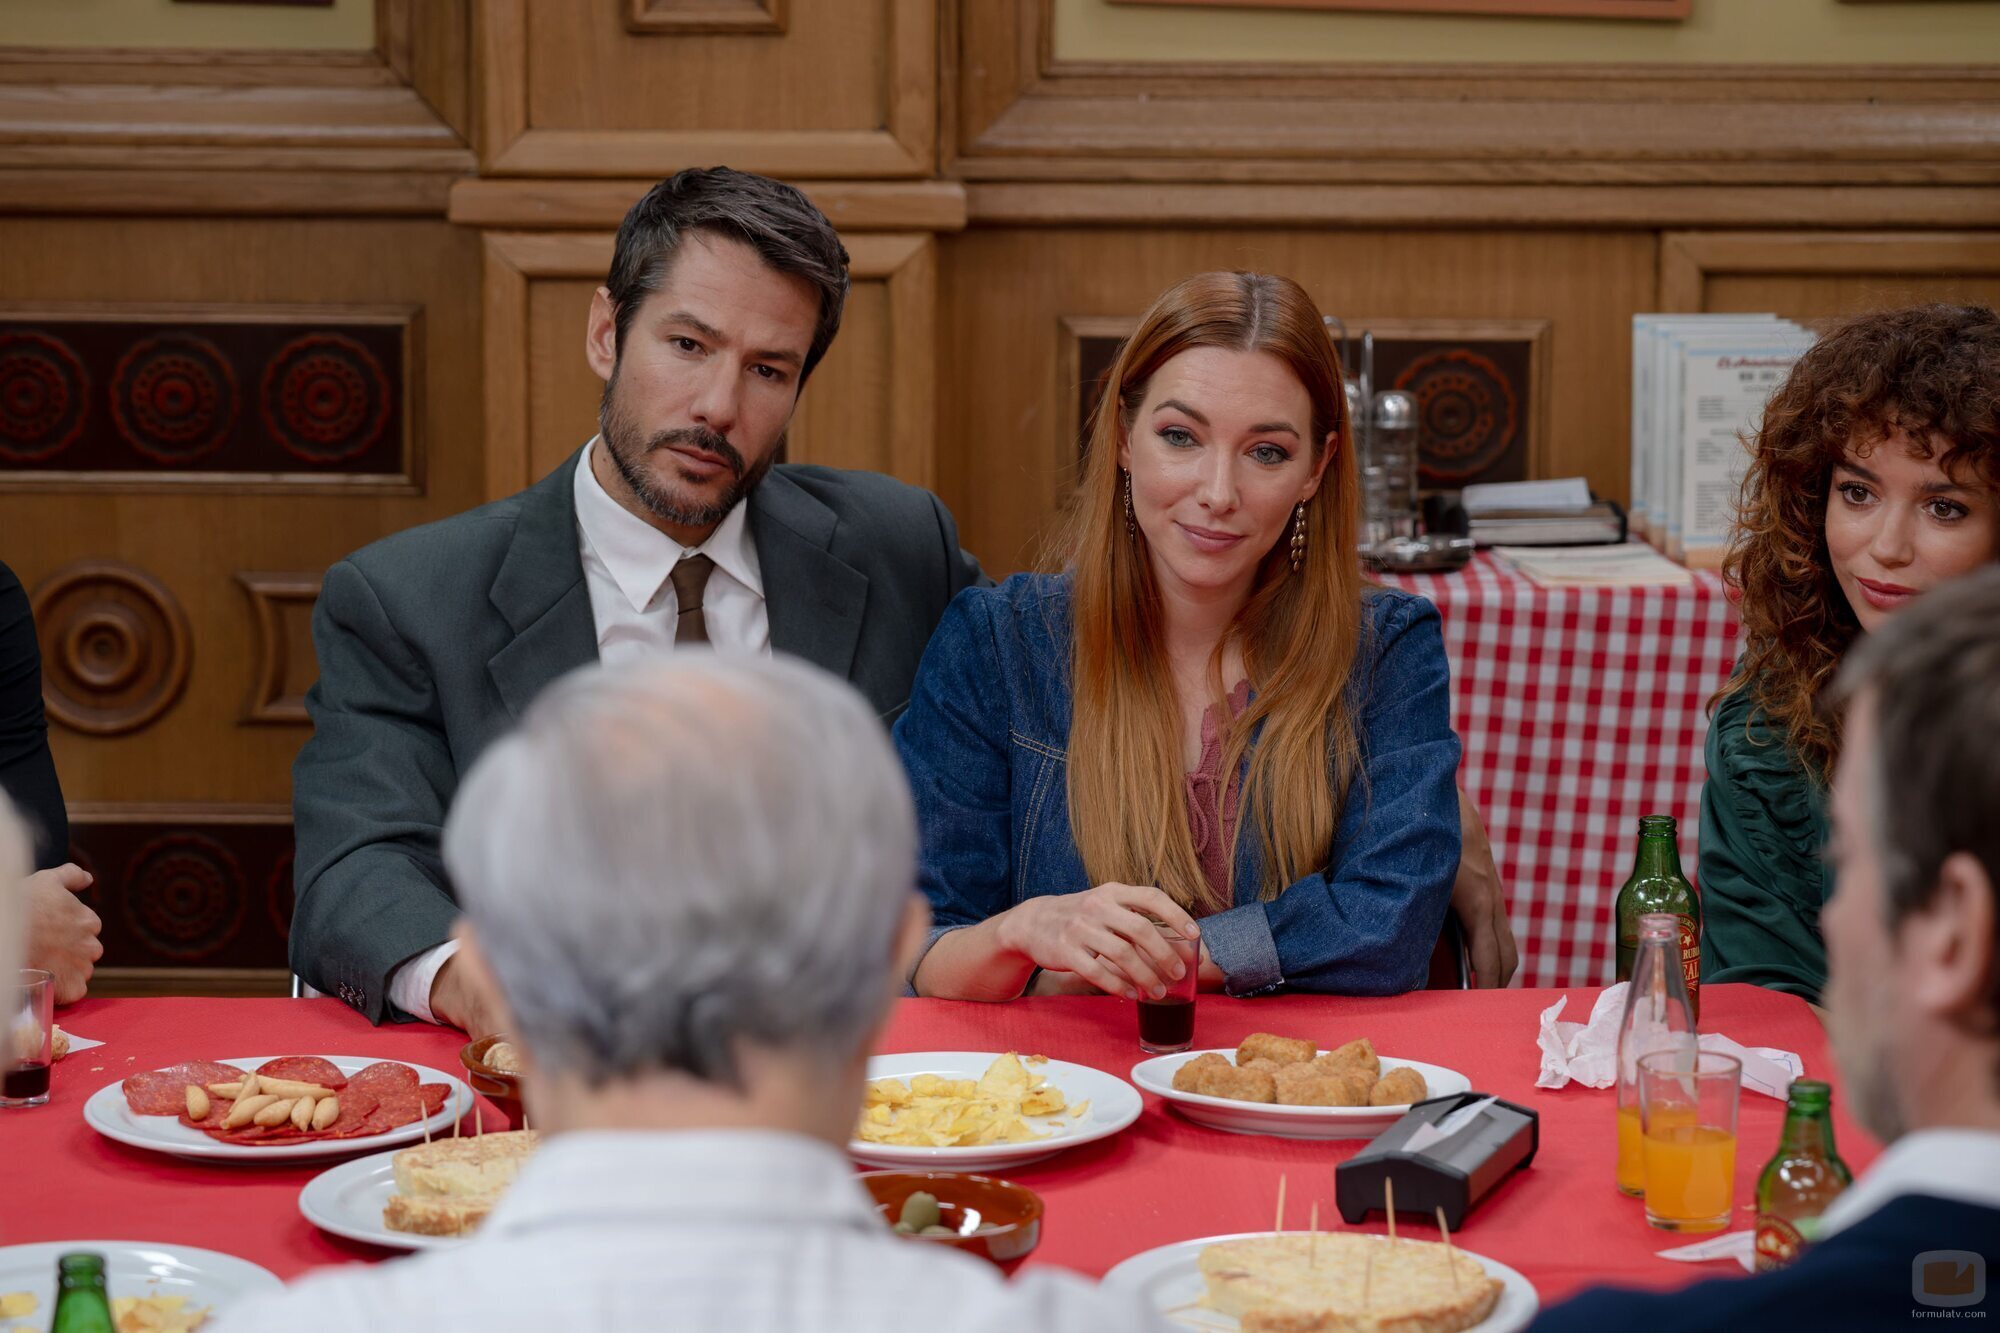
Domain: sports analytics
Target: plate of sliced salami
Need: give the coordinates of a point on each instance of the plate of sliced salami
(278, 1108)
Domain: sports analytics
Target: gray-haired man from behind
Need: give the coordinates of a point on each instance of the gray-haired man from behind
(692, 884)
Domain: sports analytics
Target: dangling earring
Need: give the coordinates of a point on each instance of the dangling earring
(1131, 524)
(1298, 537)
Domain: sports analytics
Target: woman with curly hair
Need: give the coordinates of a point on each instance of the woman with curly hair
(1874, 478)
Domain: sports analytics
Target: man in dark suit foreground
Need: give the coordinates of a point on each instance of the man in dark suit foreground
(671, 529)
(1913, 996)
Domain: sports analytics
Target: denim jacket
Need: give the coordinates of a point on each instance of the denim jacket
(985, 743)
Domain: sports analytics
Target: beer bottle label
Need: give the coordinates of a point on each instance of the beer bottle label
(1690, 957)
(1778, 1243)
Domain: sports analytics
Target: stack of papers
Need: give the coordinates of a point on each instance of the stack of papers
(1699, 385)
(1632, 565)
(1570, 494)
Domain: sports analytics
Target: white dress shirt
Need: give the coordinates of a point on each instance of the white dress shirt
(746, 1231)
(628, 566)
(1960, 1164)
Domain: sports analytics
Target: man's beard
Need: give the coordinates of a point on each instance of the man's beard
(1865, 1069)
(629, 451)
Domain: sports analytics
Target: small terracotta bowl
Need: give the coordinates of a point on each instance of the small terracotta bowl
(1010, 1214)
(497, 1086)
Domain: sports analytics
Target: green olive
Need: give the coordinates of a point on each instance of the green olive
(920, 1210)
(937, 1231)
(904, 1229)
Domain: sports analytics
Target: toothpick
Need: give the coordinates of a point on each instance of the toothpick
(1312, 1246)
(454, 1123)
(427, 1129)
(1279, 1225)
(478, 1118)
(1450, 1257)
(1389, 1202)
(526, 1128)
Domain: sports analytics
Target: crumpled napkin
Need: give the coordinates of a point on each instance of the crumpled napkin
(1738, 1245)
(1587, 1053)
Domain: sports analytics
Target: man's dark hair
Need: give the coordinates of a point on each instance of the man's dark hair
(770, 217)
(1933, 675)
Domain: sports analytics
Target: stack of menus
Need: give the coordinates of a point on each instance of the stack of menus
(1699, 385)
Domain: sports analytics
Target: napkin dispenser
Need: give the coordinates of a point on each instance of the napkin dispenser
(1454, 1172)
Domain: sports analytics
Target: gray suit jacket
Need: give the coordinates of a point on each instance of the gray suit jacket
(434, 641)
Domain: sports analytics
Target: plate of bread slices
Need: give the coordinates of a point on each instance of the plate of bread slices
(1290, 1088)
(431, 1196)
(1285, 1281)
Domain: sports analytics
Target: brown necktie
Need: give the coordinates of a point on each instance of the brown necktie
(690, 577)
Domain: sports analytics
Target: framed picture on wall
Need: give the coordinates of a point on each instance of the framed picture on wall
(1576, 9)
(1480, 385)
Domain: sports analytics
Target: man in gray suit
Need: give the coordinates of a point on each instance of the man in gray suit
(671, 528)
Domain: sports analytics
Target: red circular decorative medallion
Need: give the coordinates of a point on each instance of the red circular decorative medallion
(325, 398)
(184, 896)
(44, 396)
(174, 397)
(1467, 413)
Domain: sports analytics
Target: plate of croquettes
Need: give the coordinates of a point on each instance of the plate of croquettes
(1292, 1088)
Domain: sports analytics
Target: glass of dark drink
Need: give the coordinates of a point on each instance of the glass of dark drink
(1166, 1025)
(29, 1039)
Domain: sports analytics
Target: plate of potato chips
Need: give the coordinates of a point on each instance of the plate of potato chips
(977, 1110)
(1292, 1088)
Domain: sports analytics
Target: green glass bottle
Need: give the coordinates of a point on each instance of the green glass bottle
(81, 1303)
(1801, 1180)
(1657, 885)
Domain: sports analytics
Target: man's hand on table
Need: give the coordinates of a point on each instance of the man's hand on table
(62, 932)
(459, 1000)
(1481, 903)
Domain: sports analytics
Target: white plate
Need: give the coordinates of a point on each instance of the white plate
(134, 1268)
(1114, 1104)
(348, 1201)
(108, 1114)
(1169, 1278)
(1288, 1122)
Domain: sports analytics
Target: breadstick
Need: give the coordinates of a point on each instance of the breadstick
(246, 1108)
(197, 1103)
(325, 1111)
(302, 1113)
(1450, 1255)
(231, 1091)
(277, 1113)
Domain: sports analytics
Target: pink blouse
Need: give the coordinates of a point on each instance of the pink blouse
(1215, 839)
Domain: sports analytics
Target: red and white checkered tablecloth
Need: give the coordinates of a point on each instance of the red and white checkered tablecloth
(1581, 709)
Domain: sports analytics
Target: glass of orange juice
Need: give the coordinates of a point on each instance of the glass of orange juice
(1687, 1116)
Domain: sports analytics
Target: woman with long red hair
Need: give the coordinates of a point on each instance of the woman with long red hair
(1203, 719)
(1874, 477)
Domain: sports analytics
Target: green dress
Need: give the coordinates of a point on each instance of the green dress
(1763, 827)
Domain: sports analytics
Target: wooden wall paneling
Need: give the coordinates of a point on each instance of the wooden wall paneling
(281, 606)
(1006, 295)
(196, 897)
(693, 16)
(1806, 274)
(1433, 143)
(193, 541)
(257, 362)
(870, 404)
(428, 43)
(590, 205)
(565, 96)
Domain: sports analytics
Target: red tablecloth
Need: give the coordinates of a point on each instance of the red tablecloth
(1580, 709)
(1561, 1222)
